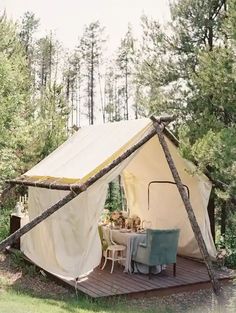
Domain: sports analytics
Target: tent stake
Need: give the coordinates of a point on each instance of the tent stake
(76, 189)
(192, 218)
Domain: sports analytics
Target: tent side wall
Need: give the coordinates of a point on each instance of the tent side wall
(67, 243)
(166, 208)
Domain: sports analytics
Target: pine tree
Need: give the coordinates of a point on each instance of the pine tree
(191, 71)
(15, 112)
(91, 51)
(73, 82)
(112, 103)
(28, 26)
(153, 70)
(124, 61)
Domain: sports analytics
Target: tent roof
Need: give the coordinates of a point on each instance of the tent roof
(88, 151)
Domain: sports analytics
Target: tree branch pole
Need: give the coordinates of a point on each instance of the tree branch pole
(192, 218)
(75, 191)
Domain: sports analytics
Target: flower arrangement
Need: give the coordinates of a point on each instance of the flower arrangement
(117, 218)
(121, 219)
(136, 221)
(133, 222)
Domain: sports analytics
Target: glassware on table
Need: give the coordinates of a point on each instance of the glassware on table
(146, 224)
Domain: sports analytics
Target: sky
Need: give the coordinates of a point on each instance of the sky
(66, 18)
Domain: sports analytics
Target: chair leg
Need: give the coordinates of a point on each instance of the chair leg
(113, 257)
(132, 266)
(174, 269)
(105, 262)
(149, 272)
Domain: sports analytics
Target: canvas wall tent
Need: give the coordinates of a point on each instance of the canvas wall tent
(67, 243)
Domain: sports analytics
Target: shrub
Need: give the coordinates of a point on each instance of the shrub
(4, 223)
(228, 241)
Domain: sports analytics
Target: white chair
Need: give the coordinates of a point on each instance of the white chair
(114, 252)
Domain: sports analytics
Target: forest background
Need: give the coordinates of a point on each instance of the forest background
(186, 67)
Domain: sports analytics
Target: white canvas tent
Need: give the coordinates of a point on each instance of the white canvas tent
(67, 243)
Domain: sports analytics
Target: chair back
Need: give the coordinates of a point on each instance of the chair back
(162, 245)
(104, 242)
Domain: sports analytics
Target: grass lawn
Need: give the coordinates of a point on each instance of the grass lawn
(25, 290)
(16, 302)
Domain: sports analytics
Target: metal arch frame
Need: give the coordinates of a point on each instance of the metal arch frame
(164, 182)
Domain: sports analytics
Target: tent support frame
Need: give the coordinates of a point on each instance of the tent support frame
(192, 218)
(76, 189)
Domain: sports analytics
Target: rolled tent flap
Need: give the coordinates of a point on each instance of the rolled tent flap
(67, 243)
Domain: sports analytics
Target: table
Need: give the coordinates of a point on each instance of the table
(16, 222)
(131, 240)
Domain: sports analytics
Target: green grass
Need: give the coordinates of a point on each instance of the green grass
(33, 293)
(17, 302)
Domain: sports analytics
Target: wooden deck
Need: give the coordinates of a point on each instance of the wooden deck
(189, 273)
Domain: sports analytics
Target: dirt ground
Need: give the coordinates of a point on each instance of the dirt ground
(25, 278)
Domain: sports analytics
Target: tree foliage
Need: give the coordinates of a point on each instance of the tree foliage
(186, 68)
(14, 102)
(190, 70)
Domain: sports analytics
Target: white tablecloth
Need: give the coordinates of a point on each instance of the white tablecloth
(131, 240)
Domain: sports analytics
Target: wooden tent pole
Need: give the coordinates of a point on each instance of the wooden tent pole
(192, 218)
(75, 191)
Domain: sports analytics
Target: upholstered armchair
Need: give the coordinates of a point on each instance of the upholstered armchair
(160, 248)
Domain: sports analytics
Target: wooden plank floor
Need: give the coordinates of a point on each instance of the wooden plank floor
(103, 284)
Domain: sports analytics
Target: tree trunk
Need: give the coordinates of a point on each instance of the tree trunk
(192, 218)
(50, 60)
(101, 97)
(211, 212)
(136, 102)
(126, 90)
(223, 219)
(67, 88)
(121, 192)
(92, 86)
(210, 33)
(72, 104)
(110, 195)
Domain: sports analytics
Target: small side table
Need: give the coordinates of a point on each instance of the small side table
(16, 222)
